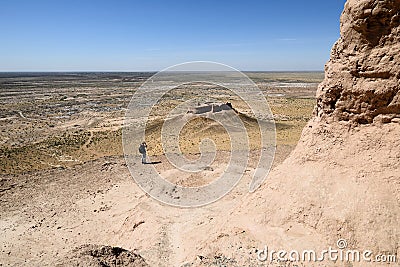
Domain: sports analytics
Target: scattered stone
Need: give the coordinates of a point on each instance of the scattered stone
(96, 255)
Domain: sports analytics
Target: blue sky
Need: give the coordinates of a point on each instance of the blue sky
(38, 35)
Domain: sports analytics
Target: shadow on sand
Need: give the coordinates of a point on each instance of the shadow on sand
(153, 162)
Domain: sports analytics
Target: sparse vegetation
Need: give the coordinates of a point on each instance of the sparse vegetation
(60, 121)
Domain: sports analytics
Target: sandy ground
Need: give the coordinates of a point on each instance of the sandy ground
(45, 215)
(64, 182)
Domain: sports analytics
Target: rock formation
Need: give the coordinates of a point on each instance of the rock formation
(97, 256)
(362, 77)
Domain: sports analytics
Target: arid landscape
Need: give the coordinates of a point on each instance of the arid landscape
(332, 197)
(60, 120)
(61, 142)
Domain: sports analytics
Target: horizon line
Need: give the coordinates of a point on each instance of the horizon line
(132, 71)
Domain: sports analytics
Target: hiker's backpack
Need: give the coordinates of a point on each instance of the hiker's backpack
(141, 149)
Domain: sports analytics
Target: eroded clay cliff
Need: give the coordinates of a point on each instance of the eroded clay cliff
(362, 77)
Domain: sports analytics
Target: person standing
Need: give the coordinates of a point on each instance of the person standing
(143, 151)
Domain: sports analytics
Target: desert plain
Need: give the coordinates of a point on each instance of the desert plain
(65, 183)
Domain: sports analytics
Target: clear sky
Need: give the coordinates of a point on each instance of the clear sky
(57, 35)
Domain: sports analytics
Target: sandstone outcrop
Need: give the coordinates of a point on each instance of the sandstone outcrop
(362, 77)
